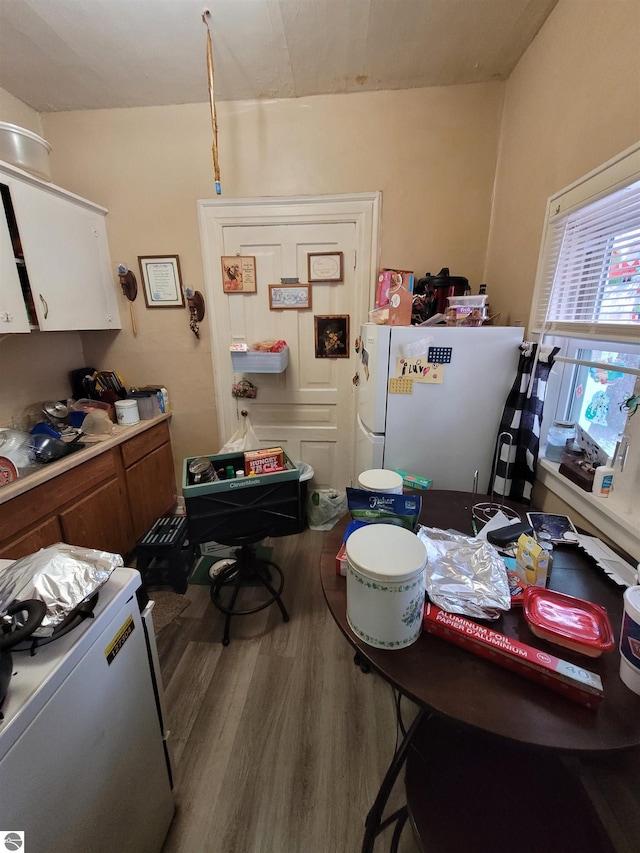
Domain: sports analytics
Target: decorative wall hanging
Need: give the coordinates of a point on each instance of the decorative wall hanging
(239, 274)
(289, 296)
(162, 282)
(332, 336)
(212, 104)
(129, 286)
(324, 266)
(244, 388)
(195, 301)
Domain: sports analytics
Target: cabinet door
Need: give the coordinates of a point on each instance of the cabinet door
(100, 520)
(13, 312)
(64, 241)
(41, 536)
(152, 488)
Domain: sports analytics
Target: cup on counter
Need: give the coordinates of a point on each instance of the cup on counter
(148, 404)
(127, 412)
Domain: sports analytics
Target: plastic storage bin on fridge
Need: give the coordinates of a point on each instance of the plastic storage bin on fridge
(385, 585)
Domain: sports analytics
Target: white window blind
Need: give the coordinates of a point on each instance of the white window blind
(588, 282)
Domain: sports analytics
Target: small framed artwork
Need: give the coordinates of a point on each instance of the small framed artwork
(324, 266)
(161, 280)
(239, 274)
(332, 336)
(289, 296)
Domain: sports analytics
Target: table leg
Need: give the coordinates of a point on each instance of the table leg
(374, 824)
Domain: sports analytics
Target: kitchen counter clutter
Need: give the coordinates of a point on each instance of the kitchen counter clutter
(90, 448)
(103, 496)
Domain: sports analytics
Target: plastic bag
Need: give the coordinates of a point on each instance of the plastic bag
(244, 438)
(324, 508)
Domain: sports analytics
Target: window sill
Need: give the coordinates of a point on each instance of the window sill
(621, 528)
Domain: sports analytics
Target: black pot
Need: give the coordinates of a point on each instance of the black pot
(439, 287)
(13, 633)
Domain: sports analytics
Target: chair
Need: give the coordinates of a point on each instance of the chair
(163, 545)
(246, 569)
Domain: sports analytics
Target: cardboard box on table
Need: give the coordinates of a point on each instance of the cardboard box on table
(235, 507)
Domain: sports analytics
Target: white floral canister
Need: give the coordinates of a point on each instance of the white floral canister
(385, 585)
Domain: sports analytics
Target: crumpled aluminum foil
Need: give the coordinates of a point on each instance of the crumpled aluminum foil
(465, 575)
(62, 576)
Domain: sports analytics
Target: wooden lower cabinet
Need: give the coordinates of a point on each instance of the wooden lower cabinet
(106, 503)
(100, 520)
(152, 488)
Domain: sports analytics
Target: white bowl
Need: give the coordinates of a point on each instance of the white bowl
(24, 149)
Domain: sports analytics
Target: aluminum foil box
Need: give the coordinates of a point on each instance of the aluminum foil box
(559, 675)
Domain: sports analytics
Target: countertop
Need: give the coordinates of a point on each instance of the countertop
(40, 474)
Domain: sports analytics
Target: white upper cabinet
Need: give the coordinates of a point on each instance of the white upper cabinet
(13, 310)
(66, 255)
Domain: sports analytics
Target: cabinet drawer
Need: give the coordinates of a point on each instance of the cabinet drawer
(142, 444)
(25, 510)
(45, 534)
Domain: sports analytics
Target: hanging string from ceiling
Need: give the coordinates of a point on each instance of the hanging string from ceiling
(214, 121)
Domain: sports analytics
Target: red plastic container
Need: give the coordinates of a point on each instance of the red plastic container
(567, 621)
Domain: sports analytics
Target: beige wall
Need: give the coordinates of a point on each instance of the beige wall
(572, 103)
(17, 112)
(432, 152)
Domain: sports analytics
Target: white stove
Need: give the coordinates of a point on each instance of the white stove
(83, 760)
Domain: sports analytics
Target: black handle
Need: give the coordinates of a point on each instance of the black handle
(35, 611)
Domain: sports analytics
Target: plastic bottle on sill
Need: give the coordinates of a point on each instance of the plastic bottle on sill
(603, 480)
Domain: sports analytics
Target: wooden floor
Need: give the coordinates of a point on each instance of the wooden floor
(280, 742)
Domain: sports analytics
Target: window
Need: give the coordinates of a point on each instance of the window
(598, 401)
(594, 397)
(587, 302)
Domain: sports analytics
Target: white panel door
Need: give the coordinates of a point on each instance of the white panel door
(309, 409)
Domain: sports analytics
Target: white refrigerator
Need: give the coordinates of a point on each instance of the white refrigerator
(430, 399)
(84, 765)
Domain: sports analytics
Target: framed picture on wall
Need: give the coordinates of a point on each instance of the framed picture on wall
(289, 296)
(161, 281)
(324, 266)
(239, 274)
(332, 335)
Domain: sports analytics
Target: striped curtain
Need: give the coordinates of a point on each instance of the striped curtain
(516, 453)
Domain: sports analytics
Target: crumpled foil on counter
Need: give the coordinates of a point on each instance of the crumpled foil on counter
(465, 575)
(62, 576)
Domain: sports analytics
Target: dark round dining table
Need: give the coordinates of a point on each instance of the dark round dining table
(487, 742)
(460, 686)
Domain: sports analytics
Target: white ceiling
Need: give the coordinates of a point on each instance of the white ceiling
(91, 54)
